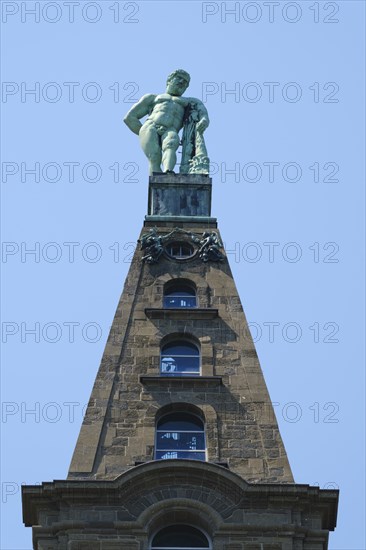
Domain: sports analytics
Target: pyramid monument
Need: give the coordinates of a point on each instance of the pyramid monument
(179, 447)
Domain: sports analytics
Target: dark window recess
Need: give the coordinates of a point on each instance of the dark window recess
(180, 358)
(180, 435)
(180, 296)
(178, 537)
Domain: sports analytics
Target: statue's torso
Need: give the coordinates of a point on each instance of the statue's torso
(168, 111)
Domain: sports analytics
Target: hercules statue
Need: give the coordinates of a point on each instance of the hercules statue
(167, 114)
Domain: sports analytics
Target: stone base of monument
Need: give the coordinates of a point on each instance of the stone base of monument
(181, 196)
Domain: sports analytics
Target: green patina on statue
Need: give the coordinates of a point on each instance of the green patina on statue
(167, 114)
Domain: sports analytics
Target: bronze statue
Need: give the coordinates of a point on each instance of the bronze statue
(167, 114)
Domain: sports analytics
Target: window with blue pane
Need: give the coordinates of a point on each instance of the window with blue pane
(180, 358)
(180, 296)
(177, 537)
(180, 435)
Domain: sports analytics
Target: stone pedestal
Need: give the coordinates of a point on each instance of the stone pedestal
(184, 196)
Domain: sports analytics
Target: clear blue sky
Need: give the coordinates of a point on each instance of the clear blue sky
(291, 132)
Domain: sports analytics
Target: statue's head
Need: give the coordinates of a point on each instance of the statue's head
(177, 82)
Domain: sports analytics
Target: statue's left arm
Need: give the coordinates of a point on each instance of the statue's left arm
(203, 120)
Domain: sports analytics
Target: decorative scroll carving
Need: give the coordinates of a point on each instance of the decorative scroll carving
(152, 242)
(208, 244)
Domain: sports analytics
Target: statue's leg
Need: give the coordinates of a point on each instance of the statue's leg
(170, 144)
(150, 143)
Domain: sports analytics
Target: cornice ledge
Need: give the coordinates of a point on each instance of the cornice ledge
(181, 313)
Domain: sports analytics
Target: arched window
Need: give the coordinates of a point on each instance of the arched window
(180, 250)
(179, 358)
(179, 295)
(178, 537)
(180, 435)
